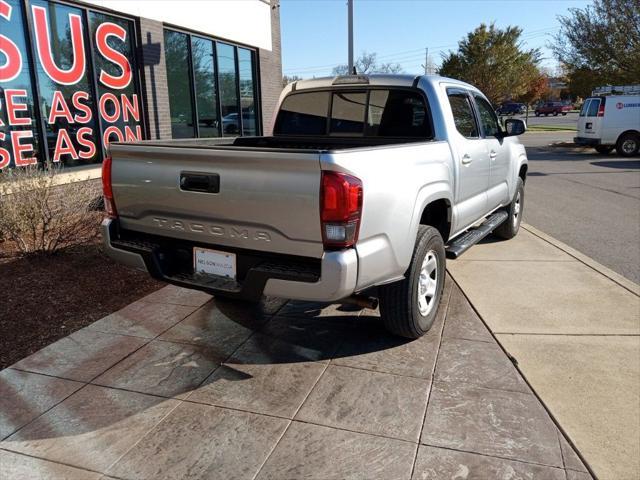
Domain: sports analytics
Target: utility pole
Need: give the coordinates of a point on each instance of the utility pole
(350, 9)
(426, 66)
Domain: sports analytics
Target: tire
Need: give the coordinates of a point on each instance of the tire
(628, 144)
(555, 114)
(511, 225)
(403, 312)
(537, 114)
(604, 149)
(564, 114)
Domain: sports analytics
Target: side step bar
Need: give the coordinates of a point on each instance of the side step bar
(462, 243)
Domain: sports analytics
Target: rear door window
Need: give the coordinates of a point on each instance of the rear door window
(593, 108)
(585, 107)
(463, 113)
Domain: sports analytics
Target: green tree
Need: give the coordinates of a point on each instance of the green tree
(600, 44)
(493, 60)
(368, 63)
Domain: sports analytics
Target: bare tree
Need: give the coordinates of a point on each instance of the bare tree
(368, 63)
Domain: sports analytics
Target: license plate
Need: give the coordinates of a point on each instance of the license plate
(214, 262)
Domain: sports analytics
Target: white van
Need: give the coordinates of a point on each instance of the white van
(608, 122)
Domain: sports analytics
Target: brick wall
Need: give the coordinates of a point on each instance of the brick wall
(154, 79)
(271, 70)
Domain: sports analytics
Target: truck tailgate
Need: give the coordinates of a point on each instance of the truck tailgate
(266, 200)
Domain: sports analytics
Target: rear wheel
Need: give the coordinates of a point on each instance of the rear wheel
(628, 144)
(555, 114)
(511, 225)
(604, 149)
(409, 307)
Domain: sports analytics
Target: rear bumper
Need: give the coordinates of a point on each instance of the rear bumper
(589, 142)
(332, 278)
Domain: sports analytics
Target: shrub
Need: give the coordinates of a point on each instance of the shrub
(41, 215)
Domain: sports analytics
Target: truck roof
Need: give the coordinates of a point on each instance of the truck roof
(386, 80)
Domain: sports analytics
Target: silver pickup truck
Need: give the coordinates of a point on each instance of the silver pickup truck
(367, 184)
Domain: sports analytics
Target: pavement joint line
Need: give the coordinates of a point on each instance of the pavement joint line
(52, 461)
(473, 385)
(517, 460)
(535, 394)
(522, 334)
(433, 375)
(284, 432)
(362, 369)
(586, 260)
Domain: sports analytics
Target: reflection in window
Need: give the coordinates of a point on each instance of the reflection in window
(120, 106)
(204, 75)
(463, 115)
(228, 89)
(487, 117)
(397, 113)
(179, 83)
(71, 125)
(13, 29)
(247, 92)
(347, 113)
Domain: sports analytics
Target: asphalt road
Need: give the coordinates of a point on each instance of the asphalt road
(570, 120)
(586, 200)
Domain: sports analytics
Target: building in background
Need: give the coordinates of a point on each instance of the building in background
(75, 76)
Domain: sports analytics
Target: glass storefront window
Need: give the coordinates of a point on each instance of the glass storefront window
(204, 76)
(176, 47)
(247, 92)
(19, 128)
(67, 101)
(228, 89)
(114, 67)
(213, 82)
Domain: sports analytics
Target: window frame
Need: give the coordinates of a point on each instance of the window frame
(359, 89)
(235, 45)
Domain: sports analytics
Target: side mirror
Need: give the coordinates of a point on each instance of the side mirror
(514, 126)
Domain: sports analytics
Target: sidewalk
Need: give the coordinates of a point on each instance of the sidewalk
(573, 327)
(178, 385)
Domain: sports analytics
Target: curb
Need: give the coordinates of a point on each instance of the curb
(589, 262)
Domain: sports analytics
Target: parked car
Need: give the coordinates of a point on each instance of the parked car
(511, 109)
(336, 206)
(552, 108)
(610, 122)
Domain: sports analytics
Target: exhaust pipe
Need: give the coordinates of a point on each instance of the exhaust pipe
(361, 301)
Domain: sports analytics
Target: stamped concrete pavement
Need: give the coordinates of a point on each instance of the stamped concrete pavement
(178, 385)
(573, 327)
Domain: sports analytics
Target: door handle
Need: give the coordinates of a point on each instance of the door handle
(493, 155)
(466, 159)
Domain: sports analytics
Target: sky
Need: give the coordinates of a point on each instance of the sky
(314, 32)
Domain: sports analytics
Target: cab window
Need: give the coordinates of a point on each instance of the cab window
(488, 118)
(585, 107)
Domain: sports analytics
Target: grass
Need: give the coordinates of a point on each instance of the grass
(550, 128)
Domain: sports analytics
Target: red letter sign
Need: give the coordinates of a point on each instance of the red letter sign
(13, 65)
(103, 32)
(43, 39)
(14, 106)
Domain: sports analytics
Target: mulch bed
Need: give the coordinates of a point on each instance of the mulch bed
(45, 298)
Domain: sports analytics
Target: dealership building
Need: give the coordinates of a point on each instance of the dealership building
(75, 76)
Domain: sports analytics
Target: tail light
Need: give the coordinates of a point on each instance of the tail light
(601, 109)
(107, 190)
(340, 209)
